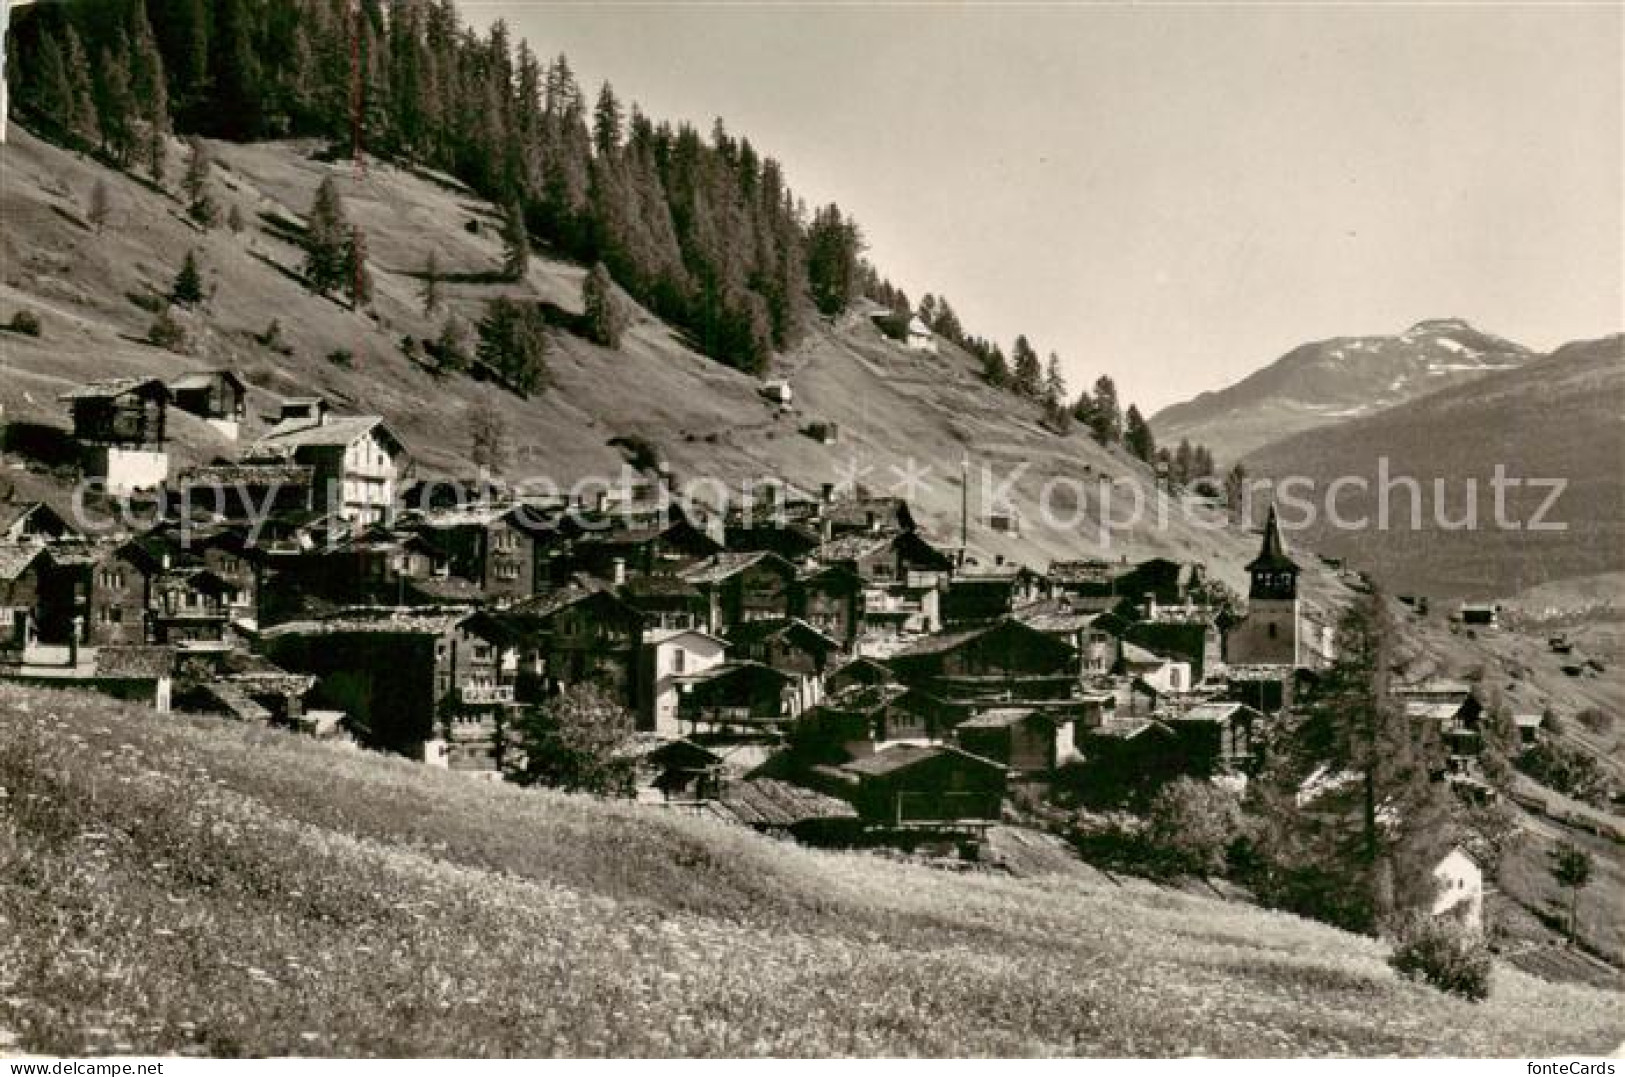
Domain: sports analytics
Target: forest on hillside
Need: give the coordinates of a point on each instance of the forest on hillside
(703, 230)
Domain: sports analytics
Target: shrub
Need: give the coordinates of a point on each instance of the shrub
(167, 333)
(1565, 768)
(1444, 953)
(1192, 825)
(25, 322)
(343, 357)
(1599, 722)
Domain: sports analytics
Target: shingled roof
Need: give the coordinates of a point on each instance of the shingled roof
(767, 802)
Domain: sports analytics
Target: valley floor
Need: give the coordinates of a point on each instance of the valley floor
(173, 884)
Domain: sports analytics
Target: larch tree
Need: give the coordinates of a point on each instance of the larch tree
(187, 291)
(1028, 373)
(515, 242)
(357, 273)
(1137, 436)
(100, 209)
(429, 292)
(605, 315)
(196, 183)
(327, 239)
(1105, 414)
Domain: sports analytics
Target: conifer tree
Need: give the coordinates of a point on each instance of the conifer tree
(1184, 463)
(150, 87)
(187, 290)
(357, 274)
(52, 94)
(81, 116)
(1105, 418)
(1055, 408)
(234, 67)
(515, 242)
(429, 293)
(327, 239)
(512, 344)
(995, 369)
(1028, 374)
(1137, 436)
(834, 247)
(606, 122)
(115, 104)
(195, 183)
(101, 206)
(606, 319)
(451, 346)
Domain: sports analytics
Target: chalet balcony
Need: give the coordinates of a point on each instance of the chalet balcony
(486, 695)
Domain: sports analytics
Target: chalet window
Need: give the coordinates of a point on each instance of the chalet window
(1272, 630)
(482, 651)
(679, 660)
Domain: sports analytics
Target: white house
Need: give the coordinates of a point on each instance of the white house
(669, 655)
(355, 461)
(1460, 888)
(920, 337)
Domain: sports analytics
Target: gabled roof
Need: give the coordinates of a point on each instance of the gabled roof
(250, 474)
(719, 567)
(1218, 711)
(852, 547)
(772, 803)
(117, 387)
(15, 559)
(338, 431)
(1135, 655)
(541, 607)
(999, 718)
(903, 756)
(13, 514)
(749, 632)
(204, 379)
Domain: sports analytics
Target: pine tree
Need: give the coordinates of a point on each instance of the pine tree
(239, 93)
(834, 246)
(201, 206)
(606, 122)
(451, 346)
(327, 238)
(489, 445)
(51, 92)
(1184, 463)
(605, 317)
(995, 369)
(512, 344)
(183, 31)
(1137, 436)
(101, 206)
(1105, 418)
(357, 275)
(150, 87)
(81, 100)
(1028, 372)
(187, 291)
(1055, 408)
(1571, 869)
(1235, 489)
(430, 291)
(515, 242)
(115, 104)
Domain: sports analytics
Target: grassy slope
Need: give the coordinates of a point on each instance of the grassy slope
(175, 884)
(890, 404)
(1558, 417)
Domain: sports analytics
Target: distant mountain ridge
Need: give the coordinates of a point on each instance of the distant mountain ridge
(1560, 417)
(1331, 381)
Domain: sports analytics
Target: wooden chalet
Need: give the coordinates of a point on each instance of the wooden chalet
(576, 636)
(121, 428)
(33, 522)
(1027, 740)
(740, 587)
(1006, 661)
(219, 397)
(924, 786)
(1218, 737)
(781, 808)
(737, 695)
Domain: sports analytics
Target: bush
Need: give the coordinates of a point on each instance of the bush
(1192, 825)
(1443, 953)
(167, 333)
(1599, 722)
(343, 357)
(1568, 769)
(25, 322)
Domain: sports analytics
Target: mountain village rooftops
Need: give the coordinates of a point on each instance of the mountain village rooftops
(999, 718)
(205, 379)
(767, 802)
(851, 547)
(431, 622)
(1215, 711)
(902, 756)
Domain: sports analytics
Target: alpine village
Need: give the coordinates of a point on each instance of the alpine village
(291, 326)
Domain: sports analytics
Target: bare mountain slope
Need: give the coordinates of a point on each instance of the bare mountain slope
(1558, 418)
(890, 404)
(1332, 381)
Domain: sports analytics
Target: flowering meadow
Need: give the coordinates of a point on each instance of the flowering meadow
(171, 884)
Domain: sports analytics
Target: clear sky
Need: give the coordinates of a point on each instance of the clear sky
(1174, 195)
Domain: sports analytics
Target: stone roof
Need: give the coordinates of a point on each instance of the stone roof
(115, 388)
(15, 559)
(767, 802)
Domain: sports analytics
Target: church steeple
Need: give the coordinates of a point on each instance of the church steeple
(1274, 574)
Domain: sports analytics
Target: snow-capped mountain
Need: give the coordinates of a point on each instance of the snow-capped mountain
(1331, 381)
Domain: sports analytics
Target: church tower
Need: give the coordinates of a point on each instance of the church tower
(1269, 634)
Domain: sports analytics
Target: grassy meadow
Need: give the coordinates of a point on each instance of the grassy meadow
(171, 884)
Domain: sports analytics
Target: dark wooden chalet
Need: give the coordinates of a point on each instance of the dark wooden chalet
(737, 695)
(243, 492)
(1218, 737)
(218, 395)
(785, 643)
(740, 587)
(1003, 661)
(667, 602)
(831, 600)
(576, 636)
(125, 412)
(33, 522)
(23, 569)
(925, 785)
(1027, 740)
